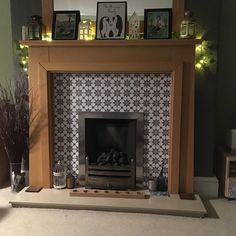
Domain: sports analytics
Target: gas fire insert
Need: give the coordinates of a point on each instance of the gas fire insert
(111, 149)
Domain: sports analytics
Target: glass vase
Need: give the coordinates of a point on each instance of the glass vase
(17, 178)
(59, 176)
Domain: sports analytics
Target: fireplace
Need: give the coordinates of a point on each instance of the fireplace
(175, 57)
(111, 149)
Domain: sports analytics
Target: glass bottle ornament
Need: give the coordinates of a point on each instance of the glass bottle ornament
(35, 28)
(59, 176)
(187, 26)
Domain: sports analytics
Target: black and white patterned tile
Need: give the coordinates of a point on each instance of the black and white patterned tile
(91, 92)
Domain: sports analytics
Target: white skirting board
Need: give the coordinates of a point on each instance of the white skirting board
(206, 186)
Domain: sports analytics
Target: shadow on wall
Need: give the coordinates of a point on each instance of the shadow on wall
(4, 169)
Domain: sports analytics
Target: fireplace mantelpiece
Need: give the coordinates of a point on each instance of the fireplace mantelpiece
(175, 56)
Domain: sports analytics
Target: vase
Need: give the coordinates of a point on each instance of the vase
(152, 185)
(17, 178)
(59, 176)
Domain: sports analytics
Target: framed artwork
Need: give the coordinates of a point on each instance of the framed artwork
(157, 23)
(65, 25)
(111, 20)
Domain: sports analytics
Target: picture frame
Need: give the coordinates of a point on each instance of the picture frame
(157, 23)
(111, 20)
(65, 25)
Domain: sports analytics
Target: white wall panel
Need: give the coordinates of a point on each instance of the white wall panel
(89, 7)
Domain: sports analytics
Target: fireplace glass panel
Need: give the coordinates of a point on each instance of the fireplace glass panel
(110, 142)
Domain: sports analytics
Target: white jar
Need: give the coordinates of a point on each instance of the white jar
(152, 185)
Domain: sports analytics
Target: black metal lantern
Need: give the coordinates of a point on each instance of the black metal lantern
(35, 28)
(187, 27)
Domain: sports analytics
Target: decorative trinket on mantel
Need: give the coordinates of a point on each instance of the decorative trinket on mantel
(187, 26)
(35, 28)
(84, 30)
(24, 32)
(134, 27)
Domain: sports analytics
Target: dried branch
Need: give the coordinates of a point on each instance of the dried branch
(14, 119)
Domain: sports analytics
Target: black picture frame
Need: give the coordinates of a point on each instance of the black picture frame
(111, 20)
(157, 23)
(65, 25)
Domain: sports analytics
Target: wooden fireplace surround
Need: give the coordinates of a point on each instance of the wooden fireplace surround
(175, 56)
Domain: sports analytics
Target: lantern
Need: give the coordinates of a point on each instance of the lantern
(59, 176)
(187, 27)
(35, 28)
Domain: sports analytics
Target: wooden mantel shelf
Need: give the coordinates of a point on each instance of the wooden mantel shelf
(116, 43)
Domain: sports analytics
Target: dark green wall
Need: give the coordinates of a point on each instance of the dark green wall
(215, 99)
(20, 15)
(21, 12)
(206, 14)
(13, 15)
(226, 93)
(6, 58)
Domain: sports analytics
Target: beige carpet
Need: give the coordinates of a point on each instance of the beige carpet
(29, 221)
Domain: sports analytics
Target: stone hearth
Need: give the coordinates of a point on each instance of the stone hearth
(61, 199)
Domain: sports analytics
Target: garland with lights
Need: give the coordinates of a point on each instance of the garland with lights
(23, 57)
(205, 56)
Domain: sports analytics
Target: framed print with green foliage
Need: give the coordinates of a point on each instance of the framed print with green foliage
(157, 23)
(65, 25)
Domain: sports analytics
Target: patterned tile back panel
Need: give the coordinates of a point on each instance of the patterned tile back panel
(104, 92)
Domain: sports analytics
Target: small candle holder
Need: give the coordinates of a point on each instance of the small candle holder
(35, 28)
(187, 27)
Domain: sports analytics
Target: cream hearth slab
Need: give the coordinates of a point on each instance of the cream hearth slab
(53, 198)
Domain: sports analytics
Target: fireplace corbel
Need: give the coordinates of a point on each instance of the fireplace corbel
(174, 56)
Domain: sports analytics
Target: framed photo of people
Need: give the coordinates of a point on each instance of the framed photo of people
(65, 25)
(157, 23)
(111, 20)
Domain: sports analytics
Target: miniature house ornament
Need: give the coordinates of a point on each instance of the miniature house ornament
(187, 27)
(134, 27)
(85, 29)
